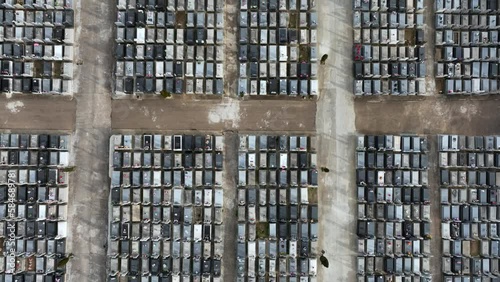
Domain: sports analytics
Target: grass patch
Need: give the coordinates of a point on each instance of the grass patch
(410, 37)
(438, 53)
(304, 52)
(440, 85)
(180, 19)
(262, 230)
(198, 214)
(57, 70)
(474, 248)
(37, 68)
(312, 193)
(69, 169)
(293, 19)
(165, 94)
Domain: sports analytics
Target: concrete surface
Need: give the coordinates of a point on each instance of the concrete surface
(231, 66)
(335, 131)
(430, 51)
(436, 241)
(231, 142)
(88, 204)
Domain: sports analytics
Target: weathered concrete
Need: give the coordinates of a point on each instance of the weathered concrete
(335, 130)
(231, 141)
(88, 204)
